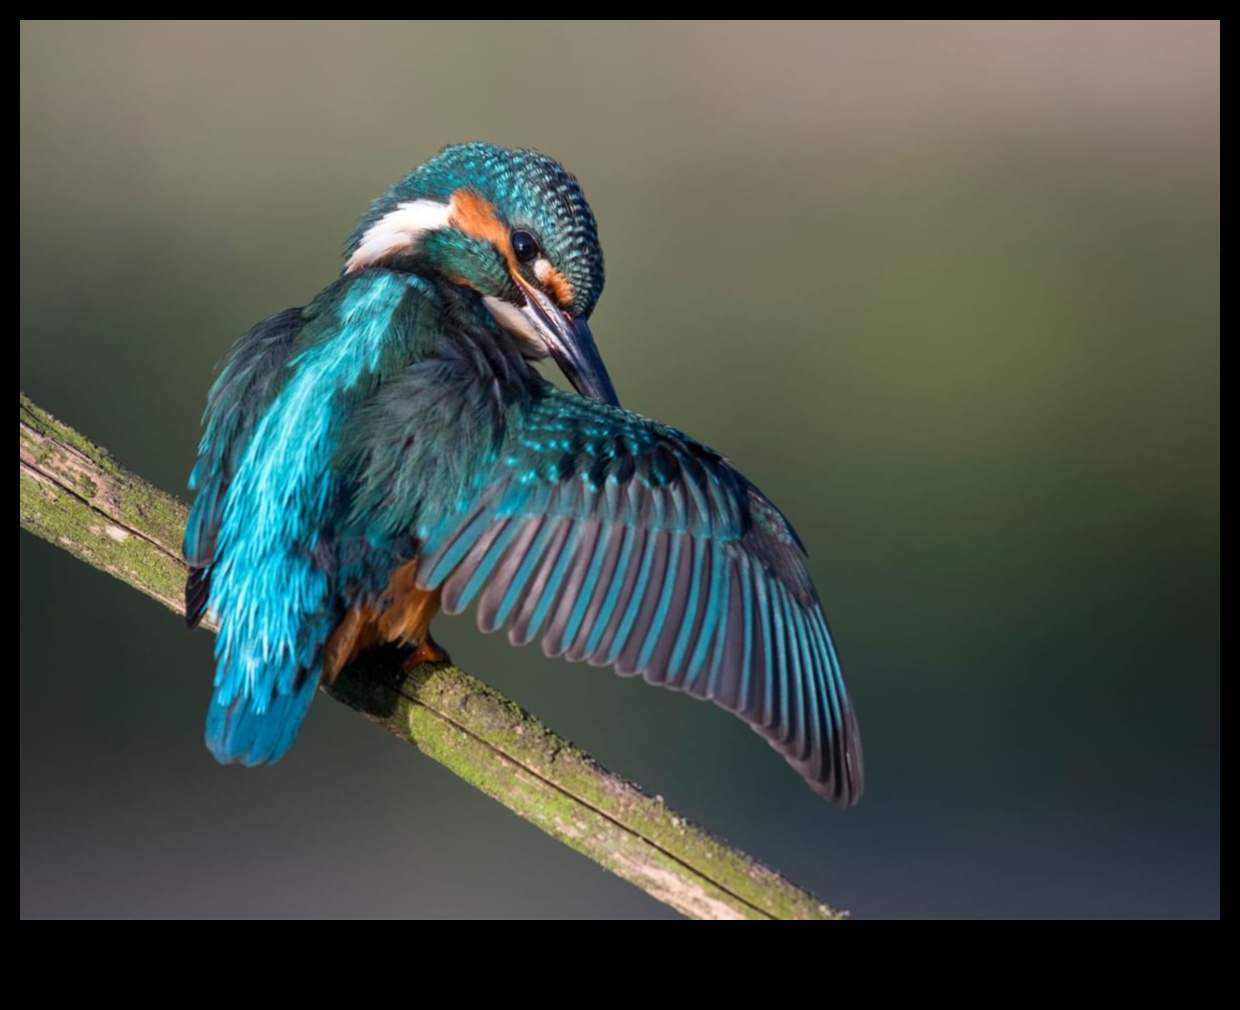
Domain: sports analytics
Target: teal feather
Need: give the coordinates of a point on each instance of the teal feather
(662, 601)
(392, 419)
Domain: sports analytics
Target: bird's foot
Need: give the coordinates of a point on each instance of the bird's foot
(428, 651)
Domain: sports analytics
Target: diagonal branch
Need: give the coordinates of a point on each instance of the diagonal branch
(74, 495)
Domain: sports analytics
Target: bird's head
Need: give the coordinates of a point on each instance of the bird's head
(511, 225)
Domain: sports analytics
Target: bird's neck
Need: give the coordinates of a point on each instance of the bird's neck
(388, 321)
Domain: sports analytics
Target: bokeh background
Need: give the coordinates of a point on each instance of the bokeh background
(947, 291)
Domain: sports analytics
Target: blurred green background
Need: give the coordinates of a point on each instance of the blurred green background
(947, 291)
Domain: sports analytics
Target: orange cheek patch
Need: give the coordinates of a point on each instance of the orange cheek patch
(559, 286)
(475, 216)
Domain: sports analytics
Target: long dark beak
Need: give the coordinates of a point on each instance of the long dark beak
(571, 345)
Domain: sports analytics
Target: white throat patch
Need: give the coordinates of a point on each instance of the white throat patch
(518, 324)
(398, 231)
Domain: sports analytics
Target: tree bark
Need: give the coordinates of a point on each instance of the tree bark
(76, 496)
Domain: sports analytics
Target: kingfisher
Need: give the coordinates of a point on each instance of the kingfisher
(390, 451)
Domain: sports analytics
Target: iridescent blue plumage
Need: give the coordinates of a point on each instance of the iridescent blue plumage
(389, 450)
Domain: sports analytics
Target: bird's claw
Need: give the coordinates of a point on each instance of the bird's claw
(428, 651)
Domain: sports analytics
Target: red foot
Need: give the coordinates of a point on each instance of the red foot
(427, 652)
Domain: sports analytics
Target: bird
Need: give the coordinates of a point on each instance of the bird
(392, 450)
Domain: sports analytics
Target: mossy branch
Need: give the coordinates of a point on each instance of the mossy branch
(75, 495)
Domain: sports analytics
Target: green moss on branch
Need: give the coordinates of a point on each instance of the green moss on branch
(76, 496)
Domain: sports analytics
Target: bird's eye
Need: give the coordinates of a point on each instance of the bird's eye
(524, 246)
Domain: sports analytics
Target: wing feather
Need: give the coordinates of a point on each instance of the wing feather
(248, 379)
(623, 543)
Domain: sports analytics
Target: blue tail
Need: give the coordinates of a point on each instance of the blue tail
(238, 731)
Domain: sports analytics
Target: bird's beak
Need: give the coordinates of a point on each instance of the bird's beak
(570, 343)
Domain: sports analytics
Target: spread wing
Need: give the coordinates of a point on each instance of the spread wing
(624, 543)
(247, 381)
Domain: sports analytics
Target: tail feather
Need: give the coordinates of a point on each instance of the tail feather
(197, 593)
(237, 732)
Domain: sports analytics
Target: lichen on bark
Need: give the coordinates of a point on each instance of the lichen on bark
(76, 496)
